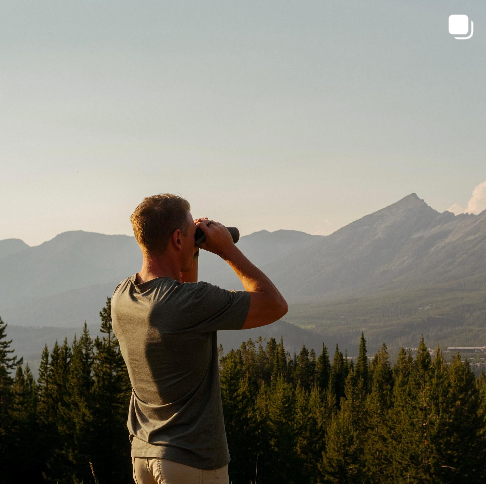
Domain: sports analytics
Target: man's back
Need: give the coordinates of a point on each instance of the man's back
(167, 334)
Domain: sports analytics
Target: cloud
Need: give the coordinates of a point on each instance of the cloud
(477, 203)
(456, 209)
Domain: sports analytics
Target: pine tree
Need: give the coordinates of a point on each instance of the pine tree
(8, 363)
(270, 352)
(263, 462)
(303, 373)
(49, 439)
(25, 438)
(458, 439)
(439, 397)
(110, 399)
(53, 375)
(481, 387)
(280, 364)
(323, 369)
(43, 387)
(76, 420)
(58, 375)
(410, 446)
(421, 379)
(337, 378)
(281, 463)
(250, 365)
(310, 422)
(378, 405)
(361, 369)
(312, 367)
(341, 461)
(241, 430)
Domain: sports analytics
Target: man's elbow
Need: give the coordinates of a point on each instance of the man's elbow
(283, 307)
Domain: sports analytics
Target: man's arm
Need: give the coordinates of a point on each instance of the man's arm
(266, 303)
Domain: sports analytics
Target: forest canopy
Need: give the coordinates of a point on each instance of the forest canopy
(301, 418)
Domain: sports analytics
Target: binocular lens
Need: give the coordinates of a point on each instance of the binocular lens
(200, 237)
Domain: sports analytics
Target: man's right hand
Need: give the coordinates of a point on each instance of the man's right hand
(218, 238)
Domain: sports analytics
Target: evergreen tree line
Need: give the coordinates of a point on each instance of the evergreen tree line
(308, 420)
(301, 419)
(69, 426)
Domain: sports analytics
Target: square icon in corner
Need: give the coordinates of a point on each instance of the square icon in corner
(459, 26)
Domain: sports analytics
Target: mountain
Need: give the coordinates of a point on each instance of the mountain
(11, 246)
(71, 260)
(403, 246)
(64, 309)
(397, 273)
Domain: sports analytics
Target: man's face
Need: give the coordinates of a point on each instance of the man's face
(188, 244)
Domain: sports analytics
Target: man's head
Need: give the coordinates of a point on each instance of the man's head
(156, 219)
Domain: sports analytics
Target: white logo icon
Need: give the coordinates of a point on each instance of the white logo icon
(459, 25)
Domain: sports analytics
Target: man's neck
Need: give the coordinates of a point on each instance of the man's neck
(158, 267)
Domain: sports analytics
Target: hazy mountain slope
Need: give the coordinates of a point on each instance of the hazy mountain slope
(66, 280)
(65, 309)
(453, 252)
(264, 247)
(71, 260)
(11, 246)
(403, 245)
(261, 248)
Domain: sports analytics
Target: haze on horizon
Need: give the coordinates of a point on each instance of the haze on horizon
(278, 116)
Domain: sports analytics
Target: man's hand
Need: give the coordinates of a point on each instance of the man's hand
(218, 238)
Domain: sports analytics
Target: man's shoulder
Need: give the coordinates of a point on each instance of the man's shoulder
(122, 284)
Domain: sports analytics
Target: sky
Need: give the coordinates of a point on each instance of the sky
(267, 115)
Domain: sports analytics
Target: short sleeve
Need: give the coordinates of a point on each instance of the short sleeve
(205, 307)
(116, 289)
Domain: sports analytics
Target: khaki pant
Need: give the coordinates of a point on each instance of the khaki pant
(162, 471)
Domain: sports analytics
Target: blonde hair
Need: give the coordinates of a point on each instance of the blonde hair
(155, 220)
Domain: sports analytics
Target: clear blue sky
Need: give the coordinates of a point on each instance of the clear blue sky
(264, 114)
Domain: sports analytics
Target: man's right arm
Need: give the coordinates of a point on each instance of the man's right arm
(267, 305)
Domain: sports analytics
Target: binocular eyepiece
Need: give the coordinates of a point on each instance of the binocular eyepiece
(200, 237)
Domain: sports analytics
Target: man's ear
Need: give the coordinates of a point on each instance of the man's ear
(177, 239)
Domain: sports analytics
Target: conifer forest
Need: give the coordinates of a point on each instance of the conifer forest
(297, 419)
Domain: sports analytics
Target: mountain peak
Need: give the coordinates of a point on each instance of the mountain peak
(407, 208)
(413, 198)
(406, 204)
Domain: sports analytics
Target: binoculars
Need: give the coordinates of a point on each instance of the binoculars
(200, 237)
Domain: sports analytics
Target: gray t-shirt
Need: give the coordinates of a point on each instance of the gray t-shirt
(167, 335)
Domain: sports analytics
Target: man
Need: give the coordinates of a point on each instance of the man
(166, 324)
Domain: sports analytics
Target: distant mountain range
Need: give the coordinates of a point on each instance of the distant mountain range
(375, 274)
